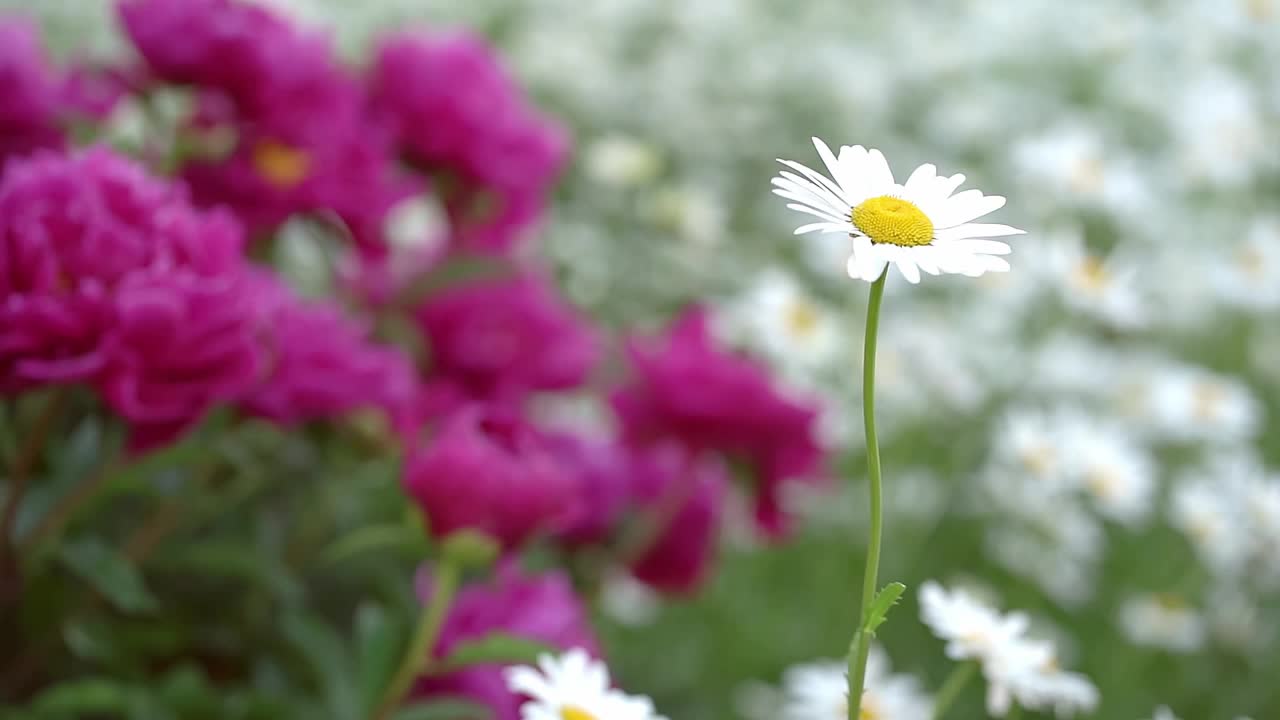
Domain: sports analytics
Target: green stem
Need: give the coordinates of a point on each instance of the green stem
(417, 656)
(951, 687)
(861, 646)
(1014, 713)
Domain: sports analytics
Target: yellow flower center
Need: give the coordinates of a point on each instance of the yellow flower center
(802, 318)
(280, 164)
(868, 710)
(1092, 275)
(893, 221)
(1207, 398)
(573, 712)
(1103, 483)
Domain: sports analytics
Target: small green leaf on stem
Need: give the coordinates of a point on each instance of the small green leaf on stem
(880, 606)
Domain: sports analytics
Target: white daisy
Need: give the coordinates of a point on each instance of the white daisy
(1163, 621)
(973, 630)
(1103, 288)
(574, 687)
(1248, 277)
(819, 691)
(1015, 667)
(918, 225)
(795, 330)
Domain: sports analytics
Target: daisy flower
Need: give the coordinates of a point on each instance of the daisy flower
(819, 691)
(1163, 621)
(917, 225)
(1015, 666)
(574, 687)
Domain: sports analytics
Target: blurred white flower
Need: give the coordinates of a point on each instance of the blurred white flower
(1103, 288)
(776, 316)
(1186, 403)
(819, 691)
(629, 601)
(1163, 621)
(1111, 467)
(573, 686)
(1218, 129)
(918, 225)
(1247, 276)
(690, 212)
(621, 161)
(1075, 164)
(1017, 668)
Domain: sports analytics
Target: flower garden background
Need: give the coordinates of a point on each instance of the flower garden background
(333, 331)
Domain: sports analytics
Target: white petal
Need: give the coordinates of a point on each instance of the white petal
(927, 260)
(874, 268)
(809, 201)
(838, 172)
(964, 207)
(921, 184)
(978, 230)
(816, 213)
(792, 182)
(854, 161)
(977, 247)
(908, 270)
(824, 227)
(879, 176)
(815, 177)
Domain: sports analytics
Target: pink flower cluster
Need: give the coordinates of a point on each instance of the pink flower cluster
(146, 289)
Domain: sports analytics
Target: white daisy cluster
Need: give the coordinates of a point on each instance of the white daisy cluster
(573, 686)
(1017, 668)
(820, 691)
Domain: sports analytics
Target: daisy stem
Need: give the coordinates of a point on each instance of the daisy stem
(951, 687)
(861, 646)
(447, 576)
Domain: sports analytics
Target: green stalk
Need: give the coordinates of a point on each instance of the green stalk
(951, 688)
(417, 656)
(861, 645)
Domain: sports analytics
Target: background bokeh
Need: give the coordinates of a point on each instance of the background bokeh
(1089, 437)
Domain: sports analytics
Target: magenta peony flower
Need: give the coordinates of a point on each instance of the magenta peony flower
(30, 88)
(48, 339)
(305, 142)
(605, 475)
(542, 607)
(455, 110)
(487, 470)
(683, 498)
(687, 389)
(181, 344)
(503, 338)
(90, 219)
(321, 363)
(240, 48)
(72, 230)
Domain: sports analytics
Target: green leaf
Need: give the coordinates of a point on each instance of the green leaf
(444, 709)
(79, 698)
(880, 606)
(323, 650)
(496, 648)
(379, 643)
(111, 574)
(383, 538)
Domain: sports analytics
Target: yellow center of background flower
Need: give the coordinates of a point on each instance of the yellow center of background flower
(893, 221)
(573, 712)
(280, 164)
